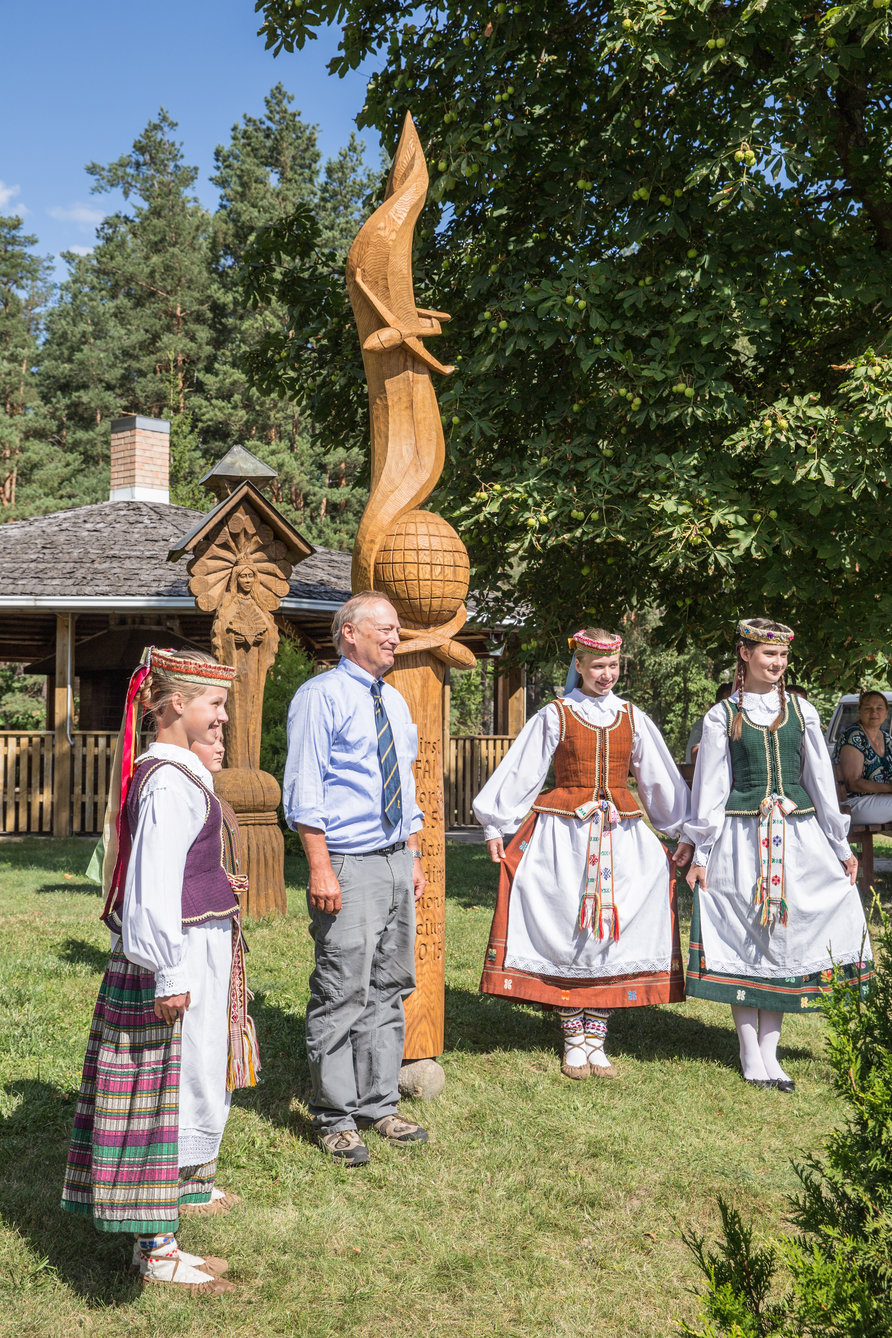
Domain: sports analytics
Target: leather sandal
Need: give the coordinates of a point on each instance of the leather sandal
(213, 1208)
(577, 1071)
(214, 1286)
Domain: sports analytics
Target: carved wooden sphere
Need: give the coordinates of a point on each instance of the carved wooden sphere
(422, 566)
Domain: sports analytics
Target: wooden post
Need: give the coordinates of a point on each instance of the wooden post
(242, 560)
(419, 678)
(62, 702)
(412, 556)
(517, 701)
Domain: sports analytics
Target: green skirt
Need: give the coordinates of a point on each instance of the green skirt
(778, 994)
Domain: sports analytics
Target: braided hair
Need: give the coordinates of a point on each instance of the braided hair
(759, 625)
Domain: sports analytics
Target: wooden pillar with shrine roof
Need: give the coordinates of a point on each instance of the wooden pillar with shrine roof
(243, 553)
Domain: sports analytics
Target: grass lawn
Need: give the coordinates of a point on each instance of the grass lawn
(541, 1206)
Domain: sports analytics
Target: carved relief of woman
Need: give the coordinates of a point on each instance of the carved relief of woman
(245, 636)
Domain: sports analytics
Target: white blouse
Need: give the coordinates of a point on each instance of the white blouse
(509, 793)
(712, 775)
(172, 812)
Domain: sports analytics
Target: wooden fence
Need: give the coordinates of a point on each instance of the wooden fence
(26, 778)
(26, 781)
(470, 761)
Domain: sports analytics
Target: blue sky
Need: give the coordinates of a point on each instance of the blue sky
(80, 80)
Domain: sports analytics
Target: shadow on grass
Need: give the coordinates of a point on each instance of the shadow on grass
(80, 953)
(483, 1023)
(74, 888)
(33, 1149)
(285, 1076)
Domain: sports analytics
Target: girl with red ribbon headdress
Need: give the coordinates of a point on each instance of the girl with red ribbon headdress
(163, 1054)
(586, 919)
(775, 902)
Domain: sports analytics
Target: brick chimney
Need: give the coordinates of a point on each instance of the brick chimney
(140, 460)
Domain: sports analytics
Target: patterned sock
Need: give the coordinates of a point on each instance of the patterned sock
(573, 1027)
(769, 1034)
(596, 1036)
(746, 1020)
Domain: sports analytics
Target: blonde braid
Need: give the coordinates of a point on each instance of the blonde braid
(782, 698)
(737, 722)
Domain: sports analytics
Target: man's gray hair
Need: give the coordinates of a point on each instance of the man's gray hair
(354, 611)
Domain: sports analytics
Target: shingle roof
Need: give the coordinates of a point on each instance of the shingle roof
(119, 549)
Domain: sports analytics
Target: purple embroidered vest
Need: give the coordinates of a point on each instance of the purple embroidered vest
(207, 892)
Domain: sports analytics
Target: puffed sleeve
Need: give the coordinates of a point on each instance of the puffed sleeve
(507, 796)
(818, 780)
(711, 785)
(661, 786)
(171, 814)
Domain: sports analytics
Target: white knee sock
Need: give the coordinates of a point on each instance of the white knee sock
(596, 1036)
(769, 1034)
(746, 1020)
(573, 1028)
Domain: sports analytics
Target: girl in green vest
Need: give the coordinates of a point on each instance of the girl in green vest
(775, 902)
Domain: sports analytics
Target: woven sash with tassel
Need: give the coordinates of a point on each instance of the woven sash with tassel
(769, 890)
(244, 1055)
(596, 905)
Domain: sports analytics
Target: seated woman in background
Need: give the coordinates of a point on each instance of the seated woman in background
(865, 760)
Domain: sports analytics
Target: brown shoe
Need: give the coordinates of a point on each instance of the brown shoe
(345, 1145)
(576, 1070)
(394, 1129)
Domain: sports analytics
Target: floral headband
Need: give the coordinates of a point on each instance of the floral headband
(765, 638)
(579, 641)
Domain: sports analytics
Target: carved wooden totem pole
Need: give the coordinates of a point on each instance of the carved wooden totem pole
(412, 556)
(243, 555)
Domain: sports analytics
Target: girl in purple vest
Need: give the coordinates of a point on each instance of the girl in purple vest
(586, 917)
(775, 902)
(154, 1097)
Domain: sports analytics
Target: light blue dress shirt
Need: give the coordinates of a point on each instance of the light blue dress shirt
(332, 774)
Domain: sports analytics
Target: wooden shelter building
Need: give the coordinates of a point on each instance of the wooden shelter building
(85, 589)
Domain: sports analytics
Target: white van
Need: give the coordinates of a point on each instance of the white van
(845, 714)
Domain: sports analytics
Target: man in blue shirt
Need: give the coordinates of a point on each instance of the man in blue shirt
(350, 793)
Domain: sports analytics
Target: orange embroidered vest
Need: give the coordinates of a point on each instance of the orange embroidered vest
(591, 762)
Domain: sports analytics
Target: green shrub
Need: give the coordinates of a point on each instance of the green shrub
(838, 1270)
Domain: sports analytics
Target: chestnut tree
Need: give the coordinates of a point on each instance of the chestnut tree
(664, 231)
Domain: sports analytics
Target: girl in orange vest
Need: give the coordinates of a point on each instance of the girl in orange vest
(586, 918)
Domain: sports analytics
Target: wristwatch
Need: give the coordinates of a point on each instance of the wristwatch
(416, 854)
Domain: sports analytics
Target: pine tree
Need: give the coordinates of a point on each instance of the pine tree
(270, 169)
(132, 330)
(24, 292)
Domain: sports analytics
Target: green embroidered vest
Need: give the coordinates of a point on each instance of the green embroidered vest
(763, 763)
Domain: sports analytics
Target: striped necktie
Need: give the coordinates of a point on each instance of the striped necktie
(390, 771)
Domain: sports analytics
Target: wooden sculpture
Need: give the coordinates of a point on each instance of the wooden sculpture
(412, 556)
(243, 554)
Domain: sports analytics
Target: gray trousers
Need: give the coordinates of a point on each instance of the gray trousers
(365, 968)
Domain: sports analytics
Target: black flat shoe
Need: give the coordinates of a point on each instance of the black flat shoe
(783, 1084)
(761, 1082)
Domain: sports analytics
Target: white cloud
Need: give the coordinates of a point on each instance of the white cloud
(80, 250)
(81, 214)
(7, 195)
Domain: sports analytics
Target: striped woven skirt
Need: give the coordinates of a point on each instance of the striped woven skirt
(781, 994)
(122, 1163)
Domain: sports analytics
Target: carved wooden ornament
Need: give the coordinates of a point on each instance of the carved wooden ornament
(411, 555)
